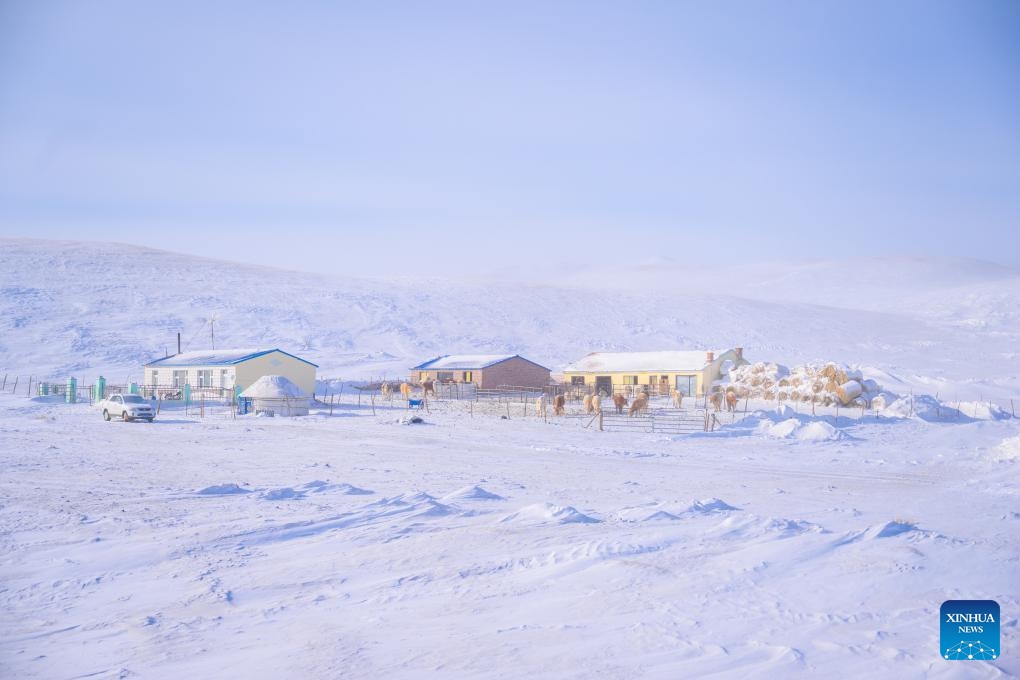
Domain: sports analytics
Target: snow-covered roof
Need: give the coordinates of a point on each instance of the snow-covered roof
(642, 362)
(465, 362)
(273, 387)
(218, 357)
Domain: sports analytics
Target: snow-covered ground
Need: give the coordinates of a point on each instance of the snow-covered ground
(784, 544)
(358, 546)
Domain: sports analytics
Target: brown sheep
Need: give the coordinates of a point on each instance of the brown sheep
(640, 404)
(731, 401)
(716, 399)
(428, 387)
(405, 391)
(619, 401)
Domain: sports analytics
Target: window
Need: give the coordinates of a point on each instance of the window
(155, 378)
(630, 380)
(445, 376)
(467, 376)
(205, 378)
(224, 378)
(180, 378)
(577, 380)
(652, 379)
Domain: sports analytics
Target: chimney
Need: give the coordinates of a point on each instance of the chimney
(709, 357)
(739, 351)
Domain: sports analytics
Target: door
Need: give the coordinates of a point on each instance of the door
(686, 384)
(604, 385)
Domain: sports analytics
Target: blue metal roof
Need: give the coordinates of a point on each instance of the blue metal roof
(215, 357)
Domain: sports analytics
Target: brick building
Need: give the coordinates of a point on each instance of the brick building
(485, 371)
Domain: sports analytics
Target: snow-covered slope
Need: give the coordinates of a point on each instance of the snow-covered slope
(87, 308)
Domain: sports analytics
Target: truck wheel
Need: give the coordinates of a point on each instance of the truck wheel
(106, 415)
(126, 417)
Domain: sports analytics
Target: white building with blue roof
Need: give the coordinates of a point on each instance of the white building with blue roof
(228, 368)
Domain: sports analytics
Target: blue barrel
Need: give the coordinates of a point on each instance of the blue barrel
(187, 393)
(99, 389)
(44, 389)
(72, 391)
(133, 388)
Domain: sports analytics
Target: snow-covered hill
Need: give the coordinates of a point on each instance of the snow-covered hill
(86, 308)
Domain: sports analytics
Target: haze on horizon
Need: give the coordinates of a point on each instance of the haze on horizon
(408, 138)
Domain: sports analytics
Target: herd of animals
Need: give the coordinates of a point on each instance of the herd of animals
(592, 403)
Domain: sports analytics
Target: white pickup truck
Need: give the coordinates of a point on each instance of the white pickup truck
(127, 407)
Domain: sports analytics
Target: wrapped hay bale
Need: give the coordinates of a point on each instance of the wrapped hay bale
(849, 391)
(880, 402)
(871, 386)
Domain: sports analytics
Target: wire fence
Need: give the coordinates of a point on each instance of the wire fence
(695, 413)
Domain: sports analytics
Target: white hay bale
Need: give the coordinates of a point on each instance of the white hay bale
(849, 391)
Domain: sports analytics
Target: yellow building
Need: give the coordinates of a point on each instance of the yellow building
(225, 369)
(691, 372)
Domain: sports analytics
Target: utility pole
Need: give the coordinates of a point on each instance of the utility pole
(212, 330)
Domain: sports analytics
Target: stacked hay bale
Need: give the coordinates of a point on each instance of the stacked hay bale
(824, 384)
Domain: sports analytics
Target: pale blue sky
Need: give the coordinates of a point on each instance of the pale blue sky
(379, 135)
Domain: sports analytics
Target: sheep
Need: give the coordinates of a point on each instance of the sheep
(731, 401)
(405, 391)
(587, 403)
(428, 387)
(716, 399)
(543, 406)
(385, 390)
(596, 403)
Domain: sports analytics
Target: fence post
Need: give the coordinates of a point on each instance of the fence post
(1011, 408)
(373, 404)
(5, 383)
(600, 421)
(29, 386)
(15, 388)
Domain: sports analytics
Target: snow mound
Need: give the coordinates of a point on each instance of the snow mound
(794, 428)
(283, 494)
(472, 493)
(1009, 450)
(547, 513)
(645, 514)
(222, 490)
(737, 527)
(980, 410)
(709, 506)
(319, 486)
(273, 387)
(889, 529)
